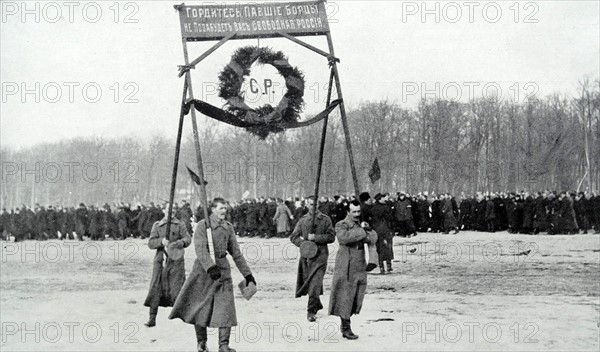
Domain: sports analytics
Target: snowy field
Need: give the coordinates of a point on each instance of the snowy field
(466, 292)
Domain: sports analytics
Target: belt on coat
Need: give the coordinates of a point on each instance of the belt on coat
(356, 245)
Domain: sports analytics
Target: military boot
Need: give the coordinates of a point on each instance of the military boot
(224, 334)
(152, 320)
(201, 337)
(347, 331)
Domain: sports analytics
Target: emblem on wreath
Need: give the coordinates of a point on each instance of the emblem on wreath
(267, 116)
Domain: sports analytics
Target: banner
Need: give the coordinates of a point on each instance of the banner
(375, 172)
(213, 22)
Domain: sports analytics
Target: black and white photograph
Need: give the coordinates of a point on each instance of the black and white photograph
(305, 175)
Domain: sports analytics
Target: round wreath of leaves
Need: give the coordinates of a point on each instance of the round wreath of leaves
(266, 117)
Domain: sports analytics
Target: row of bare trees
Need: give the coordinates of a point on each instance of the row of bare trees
(441, 146)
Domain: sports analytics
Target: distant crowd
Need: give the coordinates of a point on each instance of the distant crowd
(405, 215)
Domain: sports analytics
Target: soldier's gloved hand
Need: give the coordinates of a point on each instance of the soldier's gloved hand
(214, 272)
(165, 242)
(178, 244)
(250, 279)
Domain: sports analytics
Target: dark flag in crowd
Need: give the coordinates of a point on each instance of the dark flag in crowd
(195, 177)
(375, 173)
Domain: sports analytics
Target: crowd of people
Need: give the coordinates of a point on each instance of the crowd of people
(97, 223)
(522, 212)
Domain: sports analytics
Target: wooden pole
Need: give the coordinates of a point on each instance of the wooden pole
(321, 150)
(343, 114)
(176, 161)
(203, 199)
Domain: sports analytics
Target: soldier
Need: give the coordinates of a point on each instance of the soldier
(95, 217)
(282, 218)
(312, 266)
(381, 218)
(566, 223)
(109, 222)
(167, 277)
(271, 210)
(263, 220)
(500, 210)
(4, 224)
(437, 218)
(81, 221)
(139, 220)
(52, 224)
(553, 210)
(134, 215)
(350, 272)
(185, 215)
(511, 212)
(580, 207)
(490, 214)
(206, 299)
(152, 215)
(252, 219)
(528, 211)
(123, 221)
(299, 212)
(479, 216)
(448, 214)
(17, 225)
(593, 211)
(67, 226)
(339, 211)
(240, 214)
(40, 221)
(540, 213)
(403, 216)
(424, 214)
(465, 217)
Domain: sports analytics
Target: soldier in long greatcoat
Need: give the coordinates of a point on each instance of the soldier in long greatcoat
(566, 215)
(424, 213)
(528, 211)
(593, 211)
(81, 221)
(123, 221)
(282, 219)
(252, 219)
(479, 223)
(168, 274)
(581, 215)
(206, 299)
(350, 273)
(490, 214)
(382, 215)
(5, 224)
(311, 271)
(464, 219)
(450, 222)
(404, 217)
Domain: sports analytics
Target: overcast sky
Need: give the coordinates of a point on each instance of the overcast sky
(387, 50)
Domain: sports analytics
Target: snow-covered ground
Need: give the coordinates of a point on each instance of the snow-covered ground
(466, 292)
